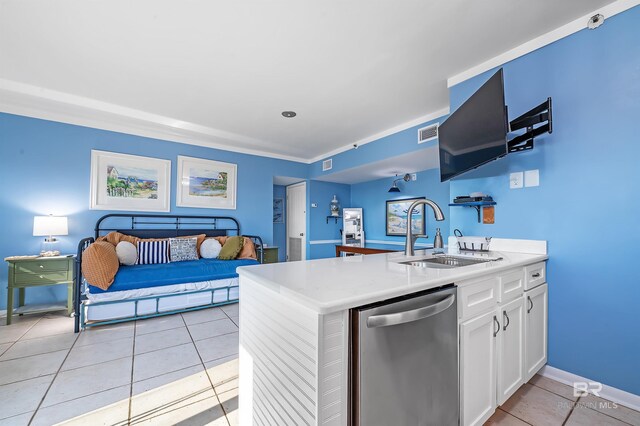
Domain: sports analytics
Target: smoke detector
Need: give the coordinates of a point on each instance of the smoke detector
(595, 21)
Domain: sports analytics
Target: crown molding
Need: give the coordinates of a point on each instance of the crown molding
(38, 102)
(390, 131)
(566, 30)
(32, 101)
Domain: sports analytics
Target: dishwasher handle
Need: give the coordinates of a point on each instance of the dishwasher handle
(412, 315)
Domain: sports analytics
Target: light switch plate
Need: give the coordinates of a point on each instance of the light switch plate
(532, 178)
(314, 205)
(414, 176)
(516, 180)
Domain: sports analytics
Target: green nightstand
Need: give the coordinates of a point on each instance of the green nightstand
(38, 272)
(270, 255)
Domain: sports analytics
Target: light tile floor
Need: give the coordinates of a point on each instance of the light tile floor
(179, 369)
(543, 401)
(183, 369)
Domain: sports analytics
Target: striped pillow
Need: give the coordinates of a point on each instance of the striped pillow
(151, 252)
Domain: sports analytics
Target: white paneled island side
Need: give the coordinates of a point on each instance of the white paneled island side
(295, 328)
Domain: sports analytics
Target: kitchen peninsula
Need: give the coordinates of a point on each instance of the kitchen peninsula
(297, 330)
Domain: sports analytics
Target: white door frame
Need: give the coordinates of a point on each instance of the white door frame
(302, 216)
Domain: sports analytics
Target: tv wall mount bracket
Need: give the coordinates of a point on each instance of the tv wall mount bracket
(537, 121)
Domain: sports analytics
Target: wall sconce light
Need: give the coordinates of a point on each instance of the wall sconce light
(394, 185)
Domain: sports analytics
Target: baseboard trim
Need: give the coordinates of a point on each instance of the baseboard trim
(314, 242)
(398, 243)
(608, 392)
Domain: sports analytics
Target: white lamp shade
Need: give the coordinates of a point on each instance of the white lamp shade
(50, 225)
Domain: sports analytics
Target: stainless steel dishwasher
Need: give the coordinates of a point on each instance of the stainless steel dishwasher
(404, 361)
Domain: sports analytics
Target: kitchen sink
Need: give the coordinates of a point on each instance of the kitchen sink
(446, 261)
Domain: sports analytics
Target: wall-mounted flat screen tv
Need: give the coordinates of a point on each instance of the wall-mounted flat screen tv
(476, 132)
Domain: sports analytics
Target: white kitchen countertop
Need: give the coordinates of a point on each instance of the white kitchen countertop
(330, 285)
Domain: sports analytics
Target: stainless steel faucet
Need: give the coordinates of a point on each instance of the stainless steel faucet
(409, 243)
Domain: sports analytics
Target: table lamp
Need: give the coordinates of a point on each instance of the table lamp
(49, 226)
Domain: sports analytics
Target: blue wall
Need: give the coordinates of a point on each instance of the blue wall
(321, 193)
(371, 196)
(586, 205)
(45, 169)
(393, 145)
(280, 229)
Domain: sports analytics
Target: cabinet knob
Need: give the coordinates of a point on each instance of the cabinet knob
(536, 275)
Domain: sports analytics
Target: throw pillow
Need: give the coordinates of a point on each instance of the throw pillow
(210, 248)
(248, 250)
(127, 253)
(231, 248)
(115, 237)
(152, 252)
(200, 238)
(182, 249)
(100, 264)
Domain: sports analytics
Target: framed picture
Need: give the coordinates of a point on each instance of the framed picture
(129, 182)
(206, 184)
(397, 217)
(278, 210)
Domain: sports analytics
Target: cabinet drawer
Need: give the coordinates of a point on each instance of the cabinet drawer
(40, 267)
(510, 285)
(477, 297)
(534, 275)
(43, 278)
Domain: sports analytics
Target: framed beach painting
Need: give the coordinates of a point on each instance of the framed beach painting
(397, 217)
(129, 182)
(206, 184)
(278, 210)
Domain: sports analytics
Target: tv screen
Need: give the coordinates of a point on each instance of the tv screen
(475, 133)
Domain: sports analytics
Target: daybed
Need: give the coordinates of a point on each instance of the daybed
(145, 291)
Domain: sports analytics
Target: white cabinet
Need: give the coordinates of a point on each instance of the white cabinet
(478, 368)
(536, 320)
(503, 338)
(510, 367)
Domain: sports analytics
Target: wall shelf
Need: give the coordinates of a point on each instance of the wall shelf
(333, 217)
(475, 204)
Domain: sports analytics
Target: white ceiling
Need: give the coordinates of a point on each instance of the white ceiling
(423, 159)
(226, 70)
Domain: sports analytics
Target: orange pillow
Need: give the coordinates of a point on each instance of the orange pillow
(100, 264)
(221, 240)
(248, 250)
(115, 237)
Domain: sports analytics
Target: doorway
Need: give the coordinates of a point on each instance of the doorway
(296, 204)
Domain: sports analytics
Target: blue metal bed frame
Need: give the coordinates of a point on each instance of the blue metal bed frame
(155, 226)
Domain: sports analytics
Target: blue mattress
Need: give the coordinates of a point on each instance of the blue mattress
(143, 276)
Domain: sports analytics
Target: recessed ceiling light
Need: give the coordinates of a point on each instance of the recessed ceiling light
(289, 114)
(595, 21)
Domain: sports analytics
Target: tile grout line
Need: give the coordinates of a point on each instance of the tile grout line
(513, 415)
(133, 362)
(21, 336)
(573, 407)
(52, 381)
(575, 403)
(224, 412)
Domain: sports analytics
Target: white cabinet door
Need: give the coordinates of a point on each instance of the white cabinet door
(510, 349)
(535, 330)
(478, 368)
